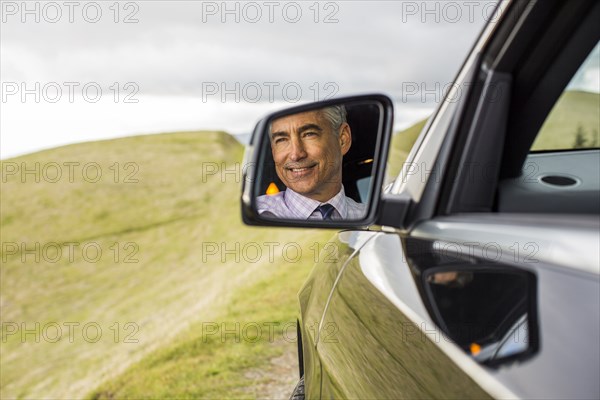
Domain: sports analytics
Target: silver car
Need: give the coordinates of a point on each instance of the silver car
(473, 270)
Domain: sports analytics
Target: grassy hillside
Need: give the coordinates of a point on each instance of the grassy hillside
(123, 253)
(232, 356)
(575, 112)
(118, 255)
(400, 147)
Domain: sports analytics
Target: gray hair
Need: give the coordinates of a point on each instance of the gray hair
(336, 115)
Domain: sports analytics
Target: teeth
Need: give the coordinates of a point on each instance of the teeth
(299, 169)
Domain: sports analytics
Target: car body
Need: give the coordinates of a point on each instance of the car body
(479, 276)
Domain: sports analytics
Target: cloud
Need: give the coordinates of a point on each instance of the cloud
(587, 77)
(179, 49)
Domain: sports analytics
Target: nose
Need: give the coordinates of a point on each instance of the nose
(297, 151)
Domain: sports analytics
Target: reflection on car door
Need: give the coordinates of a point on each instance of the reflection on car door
(315, 297)
(381, 324)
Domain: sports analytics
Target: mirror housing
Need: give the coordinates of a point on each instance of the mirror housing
(301, 156)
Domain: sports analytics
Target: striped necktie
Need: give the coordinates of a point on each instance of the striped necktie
(326, 210)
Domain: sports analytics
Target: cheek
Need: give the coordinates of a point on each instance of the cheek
(317, 153)
(279, 157)
(328, 160)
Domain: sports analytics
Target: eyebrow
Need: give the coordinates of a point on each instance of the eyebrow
(308, 127)
(303, 128)
(277, 134)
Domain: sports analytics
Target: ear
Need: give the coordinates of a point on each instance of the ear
(345, 138)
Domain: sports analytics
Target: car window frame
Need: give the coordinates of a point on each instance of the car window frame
(507, 55)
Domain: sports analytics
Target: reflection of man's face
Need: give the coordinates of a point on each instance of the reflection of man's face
(308, 154)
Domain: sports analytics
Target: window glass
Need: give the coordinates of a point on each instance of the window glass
(574, 121)
(363, 188)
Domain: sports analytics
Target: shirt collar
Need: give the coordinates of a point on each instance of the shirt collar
(339, 202)
(302, 207)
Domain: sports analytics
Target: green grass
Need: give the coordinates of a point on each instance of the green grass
(161, 222)
(575, 111)
(226, 357)
(400, 147)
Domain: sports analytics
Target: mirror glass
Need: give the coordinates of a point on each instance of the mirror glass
(318, 164)
(487, 312)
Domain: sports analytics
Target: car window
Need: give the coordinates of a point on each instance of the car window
(363, 188)
(574, 121)
(553, 180)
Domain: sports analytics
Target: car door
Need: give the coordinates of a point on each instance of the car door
(385, 345)
(520, 317)
(314, 299)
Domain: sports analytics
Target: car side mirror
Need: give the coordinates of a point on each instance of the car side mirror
(318, 165)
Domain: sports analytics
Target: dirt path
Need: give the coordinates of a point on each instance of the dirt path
(277, 380)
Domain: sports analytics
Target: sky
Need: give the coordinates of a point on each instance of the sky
(83, 70)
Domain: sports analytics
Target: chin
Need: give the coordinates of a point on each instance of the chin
(305, 191)
(301, 186)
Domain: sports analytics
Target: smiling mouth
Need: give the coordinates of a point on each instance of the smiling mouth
(301, 171)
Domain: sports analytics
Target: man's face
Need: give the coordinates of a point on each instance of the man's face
(308, 154)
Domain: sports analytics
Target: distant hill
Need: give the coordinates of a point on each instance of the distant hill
(402, 143)
(125, 243)
(576, 112)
